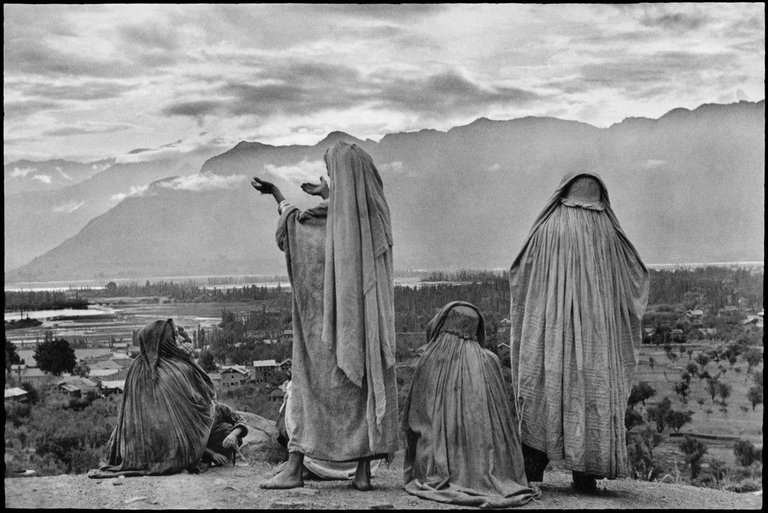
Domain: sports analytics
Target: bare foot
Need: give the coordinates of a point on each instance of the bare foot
(283, 480)
(290, 476)
(362, 480)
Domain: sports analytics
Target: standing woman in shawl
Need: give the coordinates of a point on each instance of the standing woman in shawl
(167, 410)
(339, 258)
(462, 443)
(578, 292)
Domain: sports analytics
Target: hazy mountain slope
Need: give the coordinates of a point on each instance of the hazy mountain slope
(27, 175)
(688, 187)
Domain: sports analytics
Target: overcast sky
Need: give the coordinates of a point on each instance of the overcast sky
(90, 81)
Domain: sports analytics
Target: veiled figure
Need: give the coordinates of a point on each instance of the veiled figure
(578, 290)
(339, 259)
(462, 442)
(167, 410)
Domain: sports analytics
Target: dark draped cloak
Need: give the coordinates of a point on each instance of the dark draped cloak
(462, 444)
(167, 410)
(578, 290)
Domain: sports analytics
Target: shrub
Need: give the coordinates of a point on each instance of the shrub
(17, 413)
(745, 452)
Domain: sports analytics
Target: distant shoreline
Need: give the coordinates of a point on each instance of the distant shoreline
(228, 281)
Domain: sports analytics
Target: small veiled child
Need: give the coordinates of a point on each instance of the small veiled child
(462, 444)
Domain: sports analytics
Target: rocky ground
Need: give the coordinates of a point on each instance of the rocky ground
(236, 487)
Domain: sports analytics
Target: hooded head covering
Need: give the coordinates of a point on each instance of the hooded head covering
(460, 318)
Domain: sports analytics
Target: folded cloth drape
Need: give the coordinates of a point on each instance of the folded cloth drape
(578, 290)
(359, 308)
(166, 413)
(328, 412)
(462, 444)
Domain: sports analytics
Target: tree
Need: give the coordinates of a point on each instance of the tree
(651, 362)
(659, 413)
(682, 388)
(677, 419)
(206, 361)
(694, 451)
(632, 418)
(55, 356)
(712, 384)
(33, 396)
(702, 359)
(753, 358)
(81, 369)
(745, 453)
(724, 391)
(640, 392)
(755, 395)
(692, 369)
(11, 356)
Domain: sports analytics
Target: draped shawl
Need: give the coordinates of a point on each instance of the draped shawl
(462, 445)
(358, 302)
(578, 289)
(167, 410)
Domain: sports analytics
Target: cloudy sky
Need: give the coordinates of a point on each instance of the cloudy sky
(86, 82)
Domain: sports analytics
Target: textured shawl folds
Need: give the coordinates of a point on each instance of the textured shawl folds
(167, 410)
(359, 283)
(578, 290)
(461, 440)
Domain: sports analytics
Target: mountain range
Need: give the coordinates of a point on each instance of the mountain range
(686, 187)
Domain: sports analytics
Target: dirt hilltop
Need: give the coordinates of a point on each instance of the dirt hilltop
(236, 487)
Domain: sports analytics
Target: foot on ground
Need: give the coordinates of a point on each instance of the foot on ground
(282, 481)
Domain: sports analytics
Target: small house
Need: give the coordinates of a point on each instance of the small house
(233, 376)
(276, 396)
(263, 370)
(16, 394)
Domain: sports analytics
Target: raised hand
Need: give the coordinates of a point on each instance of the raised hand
(320, 189)
(263, 186)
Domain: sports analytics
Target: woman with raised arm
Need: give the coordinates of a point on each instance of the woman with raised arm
(462, 445)
(167, 410)
(578, 290)
(339, 258)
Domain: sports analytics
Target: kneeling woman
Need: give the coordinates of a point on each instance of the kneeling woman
(462, 443)
(167, 411)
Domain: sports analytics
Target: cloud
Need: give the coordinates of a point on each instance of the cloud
(24, 108)
(42, 178)
(304, 171)
(395, 167)
(207, 181)
(653, 164)
(675, 21)
(87, 128)
(22, 172)
(134, 191)
(68, 208)
(76, 90)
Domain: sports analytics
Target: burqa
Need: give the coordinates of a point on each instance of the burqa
(167, 410)
(578, 290)
(339, 258)
(462, 444)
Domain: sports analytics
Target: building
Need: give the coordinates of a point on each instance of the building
(102, 374)
(76, 386)
(113, 387)
(16, 394)
(263, 370)
(695, 316)
(286, 366)
(276, 396)
(233, 376)
(215, 377)
(286, 336)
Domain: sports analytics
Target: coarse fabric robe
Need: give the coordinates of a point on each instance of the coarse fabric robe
(359, 303)
(167, 410)
(462, 442)
(578, 290)
(329, 412)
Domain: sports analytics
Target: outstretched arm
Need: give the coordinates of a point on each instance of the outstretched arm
(265, 187)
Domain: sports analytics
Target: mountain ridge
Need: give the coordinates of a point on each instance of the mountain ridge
(467, 197)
